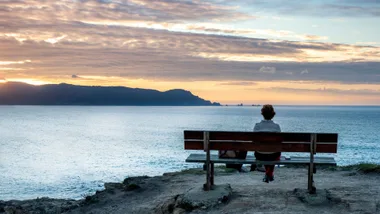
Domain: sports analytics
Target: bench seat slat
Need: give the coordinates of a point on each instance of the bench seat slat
(201, 158)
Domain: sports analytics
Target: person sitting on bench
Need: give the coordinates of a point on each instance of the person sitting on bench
(267, 125)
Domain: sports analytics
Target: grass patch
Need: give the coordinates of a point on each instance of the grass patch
(363, 167)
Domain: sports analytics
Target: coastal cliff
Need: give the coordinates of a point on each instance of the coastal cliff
(338, 191)
(16, 93)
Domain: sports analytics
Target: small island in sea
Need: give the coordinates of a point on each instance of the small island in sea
(17, 93)
(241, 104)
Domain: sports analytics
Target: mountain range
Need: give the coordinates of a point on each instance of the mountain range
(17, 93)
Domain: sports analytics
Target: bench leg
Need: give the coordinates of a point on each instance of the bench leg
(209, 177)
(310, 183)
(207, 185)
(206, 146)
(212, 174)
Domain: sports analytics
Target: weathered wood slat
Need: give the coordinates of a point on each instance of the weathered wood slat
(263, 136)
(193, 135)
(260, 146)
(327, 148)
(327, 137)
(201, 158)
(248, 136)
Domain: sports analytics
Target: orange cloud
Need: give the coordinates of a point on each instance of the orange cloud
(163, 45)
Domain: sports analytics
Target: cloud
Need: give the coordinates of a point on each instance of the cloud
(242, 83)
(75, 76)
(58, 41)
(368, 43)
(269, 70)
(11, 69)
(313, 37)
(131, 10)
(14, 62)
(252, 32)
(325, 90)
(54, 40)
(305, 71)
(302, 52)
(168, 56)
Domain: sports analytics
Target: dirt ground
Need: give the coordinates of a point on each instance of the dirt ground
(337, 192)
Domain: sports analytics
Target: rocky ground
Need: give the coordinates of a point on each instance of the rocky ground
(338, 191)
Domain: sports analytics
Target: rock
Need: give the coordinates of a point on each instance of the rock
(110, 186)
(131, 187)
(321, 198)
(179, 211)
(135, 180)
(166, 207)
(90, 199)
(39, 205)
(134, 183)
(12, 210)
(198, 198)
(126, 185)
(318, 199)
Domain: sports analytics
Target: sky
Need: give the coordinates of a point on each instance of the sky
(242, 51)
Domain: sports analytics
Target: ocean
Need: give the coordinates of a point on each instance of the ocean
(70, 151)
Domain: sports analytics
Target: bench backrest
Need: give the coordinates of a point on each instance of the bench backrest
(262, 141)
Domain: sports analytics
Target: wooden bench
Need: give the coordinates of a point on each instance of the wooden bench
(311, 143)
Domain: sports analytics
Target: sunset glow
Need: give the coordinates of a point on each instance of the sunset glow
(28, 81)
(309, 52)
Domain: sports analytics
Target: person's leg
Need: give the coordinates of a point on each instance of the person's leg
(269, 169)
(263, 157)
(270, 172)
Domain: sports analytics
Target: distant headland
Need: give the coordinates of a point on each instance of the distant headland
(16, 93)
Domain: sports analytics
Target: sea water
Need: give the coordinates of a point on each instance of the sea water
(70, 151)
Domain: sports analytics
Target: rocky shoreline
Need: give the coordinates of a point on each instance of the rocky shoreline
(348, 190)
